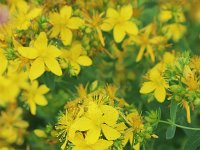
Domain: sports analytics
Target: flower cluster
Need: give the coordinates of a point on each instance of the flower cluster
(100, 120)
(103, 62)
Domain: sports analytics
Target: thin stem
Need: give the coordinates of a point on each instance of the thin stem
(180, 126)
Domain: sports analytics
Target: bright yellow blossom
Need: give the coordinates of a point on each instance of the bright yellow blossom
(95, 22)
(169, 12)
(147, 41)
(136, 125)
(190, 79)
(34, 94)
(63, 24)
(23, 15)
(97, 118)
(12, 126)
(74, 57)
(195, 63)
(120, 23)
(157, 84)
(43, 55)
(174, 31)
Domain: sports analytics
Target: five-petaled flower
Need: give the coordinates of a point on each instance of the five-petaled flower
(120, 23)
(43, 56)
(63, 23)
(157, 84)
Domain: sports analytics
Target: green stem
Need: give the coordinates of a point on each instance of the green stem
(180, 126)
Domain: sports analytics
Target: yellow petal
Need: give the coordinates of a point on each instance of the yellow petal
(119, 33)
(140, 54)
(92, 135)
(110, 116)
(120, 126)
(54, 18)
(160, 94)
(66, 36)
(37, 69)
(53, 51)
(84, 61)
(81, 124)
(110, 133)
(43, 89)
(41, 41)
(32, 106)
(55, 31)
(112, 13)
(76, 50)
(136, 146)
(130, 28)
(100, 35)
(126, 12)
(147, 87)
(53, 66)
(187, 108)
(28, 52)
(74, 23)
(66, 12)
(34, 13)
(3, 63)
(107, 25)
(102, 145)
(150, 51)
(40, 100)
(128, 136)
(21, 124)
(165, 16)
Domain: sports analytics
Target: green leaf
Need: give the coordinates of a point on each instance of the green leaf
(193, 142)
(172, 129)
(170, 132)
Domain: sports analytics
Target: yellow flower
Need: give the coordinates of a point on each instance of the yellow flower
(174, 31)
(63, 23)
(43, 55)
(23, 15)
(4, 62)
(75, 57)
(169, 11)
(12, 126)
(190, 79)
(95, 22)
(97, 118)
(120, 23)
(66, 120)
(136, 125)
(80, 143)
(157, 84)
(34, 94)
(195, 63)
(147, 41)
